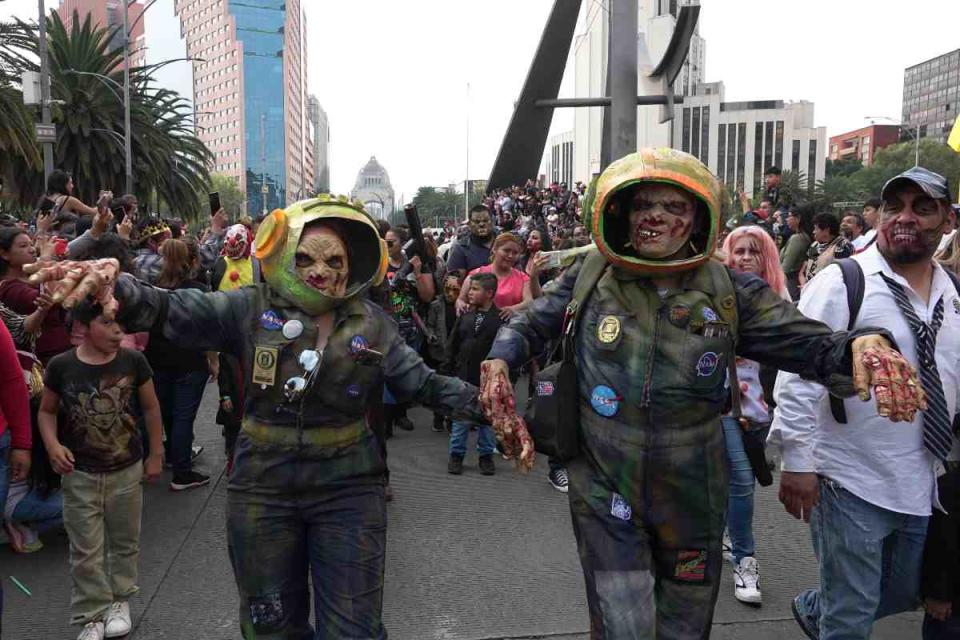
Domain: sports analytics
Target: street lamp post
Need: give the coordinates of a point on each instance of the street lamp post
(127, 138)
(45, 91)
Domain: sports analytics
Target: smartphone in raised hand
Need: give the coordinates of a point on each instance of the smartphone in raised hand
(214, 202)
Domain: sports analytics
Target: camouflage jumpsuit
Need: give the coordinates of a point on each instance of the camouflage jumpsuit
(307, 484)
(648, 496)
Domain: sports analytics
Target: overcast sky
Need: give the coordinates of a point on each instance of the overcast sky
(392, 75)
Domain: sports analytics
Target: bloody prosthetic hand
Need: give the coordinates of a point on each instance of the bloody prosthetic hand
(499, 405)
(894, 380)
(71, 281)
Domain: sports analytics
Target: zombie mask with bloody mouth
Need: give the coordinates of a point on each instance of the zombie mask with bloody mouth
(655, 211)
(320, 253)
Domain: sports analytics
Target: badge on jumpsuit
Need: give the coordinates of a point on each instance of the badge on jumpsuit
(605, 401)
(271, 320)
(679, 315)
(709, 315)
(619, 508)
(956, 306)
(358, 344)
(292, 329)
(707, 364)
(265, 365)
(608, 330)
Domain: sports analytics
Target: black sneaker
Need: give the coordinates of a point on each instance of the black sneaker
(808, 626)
(404, 423)
(437, 423)
(486, 465)
(455, 465)
(188, 480)
(558, 479)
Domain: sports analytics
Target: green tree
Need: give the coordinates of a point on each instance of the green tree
(19, 152)
(843, 167)
(86, 74)
(897, 158)
(231, 198)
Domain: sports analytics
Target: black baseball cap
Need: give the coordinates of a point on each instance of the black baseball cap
(932, 184)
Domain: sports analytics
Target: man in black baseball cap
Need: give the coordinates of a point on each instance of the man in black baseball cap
(916, 213)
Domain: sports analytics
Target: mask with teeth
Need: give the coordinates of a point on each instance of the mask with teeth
(911, 227)
(661, 220)
(653, 212)
(319, 253)
(322, 260)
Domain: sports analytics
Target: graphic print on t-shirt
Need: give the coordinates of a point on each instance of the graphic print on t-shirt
(102, 419)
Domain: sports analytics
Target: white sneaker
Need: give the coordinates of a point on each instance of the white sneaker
(91, 631)
(727, 547)
(118, 620)
(746, 578)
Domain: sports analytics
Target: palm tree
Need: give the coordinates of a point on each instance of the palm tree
(86, 76)
(167, 156)
(19, 153)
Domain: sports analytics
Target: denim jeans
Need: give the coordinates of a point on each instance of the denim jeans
(460, 434)
(740, 500)
(101, 512)
(948, 629)
(870, 560)
(336, 535)
(179, 394)
(38, 512)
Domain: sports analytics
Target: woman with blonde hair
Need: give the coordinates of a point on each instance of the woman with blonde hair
(748, 249)
(515, 288)
(179, 375)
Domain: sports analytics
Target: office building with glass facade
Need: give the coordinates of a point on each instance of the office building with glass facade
(250, 93)
(931, 91)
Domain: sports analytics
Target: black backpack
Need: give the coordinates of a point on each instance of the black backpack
(854, 282)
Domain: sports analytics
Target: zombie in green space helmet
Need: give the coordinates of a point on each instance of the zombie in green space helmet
(654, 211)
(321, 252)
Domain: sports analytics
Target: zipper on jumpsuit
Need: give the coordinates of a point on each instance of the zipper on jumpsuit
(645, 396)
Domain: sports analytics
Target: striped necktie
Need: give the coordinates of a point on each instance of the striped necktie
(937, 435)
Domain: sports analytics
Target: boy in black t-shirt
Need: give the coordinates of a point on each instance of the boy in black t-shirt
(99, 455)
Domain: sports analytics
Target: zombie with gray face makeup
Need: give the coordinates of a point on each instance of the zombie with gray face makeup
(648, 493)
(307, 487)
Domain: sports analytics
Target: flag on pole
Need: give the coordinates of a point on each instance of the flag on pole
(954, 139)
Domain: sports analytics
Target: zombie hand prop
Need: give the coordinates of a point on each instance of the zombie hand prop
(499, 405)
(71, 281)
(894, 380)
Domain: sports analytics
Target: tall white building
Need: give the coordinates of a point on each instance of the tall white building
(559, 158)
(740, 140)
(657, 20)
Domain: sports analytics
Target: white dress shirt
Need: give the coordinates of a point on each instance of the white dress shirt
(882, 462)
(860, 243)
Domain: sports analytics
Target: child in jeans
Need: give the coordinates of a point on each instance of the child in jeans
(99, 457)
(470, 342)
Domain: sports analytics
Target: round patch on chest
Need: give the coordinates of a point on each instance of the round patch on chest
(358, 344)
(609, 329)
(271, 320)
(292, 329)
(604, 401)
(707, 364)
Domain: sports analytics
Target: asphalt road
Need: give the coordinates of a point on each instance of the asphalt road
(469, 558)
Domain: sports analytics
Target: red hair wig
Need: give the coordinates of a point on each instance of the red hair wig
(770, 269)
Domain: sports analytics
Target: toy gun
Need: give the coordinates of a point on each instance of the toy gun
(416, 246)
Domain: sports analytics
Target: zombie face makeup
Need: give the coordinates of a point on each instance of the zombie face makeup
(911, 225)
(661, 220)
(321, 260)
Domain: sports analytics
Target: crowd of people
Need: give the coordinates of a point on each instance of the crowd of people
(668, 409)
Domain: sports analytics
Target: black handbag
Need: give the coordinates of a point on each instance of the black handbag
(553, 411)
(753, 435)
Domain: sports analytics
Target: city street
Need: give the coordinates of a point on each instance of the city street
(469, 558)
